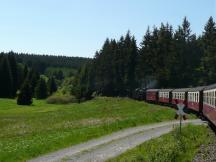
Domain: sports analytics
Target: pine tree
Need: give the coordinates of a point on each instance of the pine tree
(25, 94)
(6, 80)
(51, 85)
(41, 89)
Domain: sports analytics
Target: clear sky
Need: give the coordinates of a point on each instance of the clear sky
(79, 27)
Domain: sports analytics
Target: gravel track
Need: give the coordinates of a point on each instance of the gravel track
(109, 146)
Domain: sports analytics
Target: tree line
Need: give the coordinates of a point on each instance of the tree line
(166, 58)
(42, 62)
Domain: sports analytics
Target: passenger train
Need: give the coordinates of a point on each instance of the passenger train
(201, 100)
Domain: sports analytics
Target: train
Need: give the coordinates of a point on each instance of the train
(200, 100)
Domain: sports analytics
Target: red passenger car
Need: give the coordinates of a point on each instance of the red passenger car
(195, 99)
(180, 96)
(165, 95)
(152, 95)
(209, 103)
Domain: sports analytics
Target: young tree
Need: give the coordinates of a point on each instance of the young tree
(25, 94)
(41, 89)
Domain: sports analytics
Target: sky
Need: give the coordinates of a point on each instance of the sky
(80, 27)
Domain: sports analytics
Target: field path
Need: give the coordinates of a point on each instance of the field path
(109, 146)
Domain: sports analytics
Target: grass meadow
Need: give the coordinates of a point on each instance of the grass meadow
(30, 131)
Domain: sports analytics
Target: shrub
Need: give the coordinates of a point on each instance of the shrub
(61, 100)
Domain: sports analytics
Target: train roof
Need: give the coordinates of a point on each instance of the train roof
(165, 90)
(181, 90)
(152, 90)
(213, 86)
(200, 88)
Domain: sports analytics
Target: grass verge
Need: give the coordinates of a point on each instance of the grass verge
(30, 131)
(171, 147)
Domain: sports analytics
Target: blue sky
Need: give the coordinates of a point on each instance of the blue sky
(79, 27)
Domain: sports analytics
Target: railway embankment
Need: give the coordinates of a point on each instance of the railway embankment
(207, 152)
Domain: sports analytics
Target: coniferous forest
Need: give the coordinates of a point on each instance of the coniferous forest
(166, 58)
(26, 76)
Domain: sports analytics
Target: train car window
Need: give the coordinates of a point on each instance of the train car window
(211, 103)
(198, 97)
(215, 99)
(194, 97)
(209, 97)
(204, 97)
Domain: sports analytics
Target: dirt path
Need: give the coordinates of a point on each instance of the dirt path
(109, 146)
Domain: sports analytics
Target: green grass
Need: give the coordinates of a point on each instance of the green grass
(170, 147)
(29, 131)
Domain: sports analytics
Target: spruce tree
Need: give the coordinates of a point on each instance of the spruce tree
(33, 77)
(13, 66)
(209, 48)
(25, 94)
(41, 89)
(25, 71)
(84, 83)
(6, 80)
(51, 85)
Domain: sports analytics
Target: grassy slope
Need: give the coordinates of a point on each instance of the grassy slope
(29, 131)
(170, 147)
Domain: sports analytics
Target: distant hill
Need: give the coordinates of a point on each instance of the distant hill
(42, 62)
